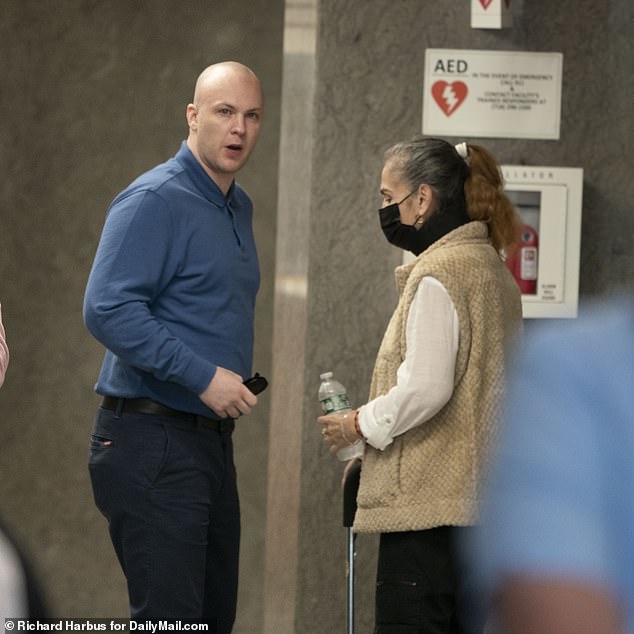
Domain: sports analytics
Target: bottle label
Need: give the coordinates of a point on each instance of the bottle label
(335, 403)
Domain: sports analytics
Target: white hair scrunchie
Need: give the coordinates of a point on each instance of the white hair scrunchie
(463, 150)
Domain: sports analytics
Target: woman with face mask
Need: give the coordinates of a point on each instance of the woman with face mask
(437, 381)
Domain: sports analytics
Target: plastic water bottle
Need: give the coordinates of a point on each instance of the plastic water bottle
(334, 400)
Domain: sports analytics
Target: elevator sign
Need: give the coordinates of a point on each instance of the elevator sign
(502, 94)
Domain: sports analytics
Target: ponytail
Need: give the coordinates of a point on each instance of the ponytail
(486, 200)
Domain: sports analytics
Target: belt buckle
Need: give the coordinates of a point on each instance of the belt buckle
(221, 425)
(224, 425)
(227, 425)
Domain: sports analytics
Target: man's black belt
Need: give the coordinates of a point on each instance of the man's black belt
(148, 406)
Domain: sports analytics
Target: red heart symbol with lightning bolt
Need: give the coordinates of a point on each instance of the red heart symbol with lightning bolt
(449, 96)
(486, 3)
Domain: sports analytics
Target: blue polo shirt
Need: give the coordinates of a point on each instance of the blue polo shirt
(171, 294)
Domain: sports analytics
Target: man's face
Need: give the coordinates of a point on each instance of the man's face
(225, 124)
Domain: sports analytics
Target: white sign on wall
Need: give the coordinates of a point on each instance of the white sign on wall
(491, 14)
(503, 94)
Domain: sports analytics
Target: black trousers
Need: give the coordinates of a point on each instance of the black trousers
(421, 588)
(168, 490)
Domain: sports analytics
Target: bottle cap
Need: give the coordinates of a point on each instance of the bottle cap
(325, 376)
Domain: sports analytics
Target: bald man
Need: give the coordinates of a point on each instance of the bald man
(171, 297)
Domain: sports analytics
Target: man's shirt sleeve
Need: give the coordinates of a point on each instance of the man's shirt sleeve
(135, 260)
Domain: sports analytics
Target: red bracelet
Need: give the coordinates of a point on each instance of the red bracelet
(356, 424)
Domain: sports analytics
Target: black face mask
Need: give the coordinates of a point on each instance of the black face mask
(410, 238)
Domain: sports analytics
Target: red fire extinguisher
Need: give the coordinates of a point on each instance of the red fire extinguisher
(523, 263)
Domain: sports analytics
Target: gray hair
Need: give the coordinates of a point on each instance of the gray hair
(433, 162)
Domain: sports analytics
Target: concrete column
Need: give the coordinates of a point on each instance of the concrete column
(289, 331)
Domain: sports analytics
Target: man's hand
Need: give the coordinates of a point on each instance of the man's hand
(227, 396)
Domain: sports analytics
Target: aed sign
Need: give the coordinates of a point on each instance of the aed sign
(500, 94)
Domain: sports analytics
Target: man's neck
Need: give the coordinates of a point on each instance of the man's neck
(222, 181)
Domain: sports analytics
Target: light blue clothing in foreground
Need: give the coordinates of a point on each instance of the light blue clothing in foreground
(561, 499)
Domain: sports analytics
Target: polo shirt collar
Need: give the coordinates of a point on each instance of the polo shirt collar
(201, 179)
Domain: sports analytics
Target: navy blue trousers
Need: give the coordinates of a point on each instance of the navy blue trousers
(168, 490)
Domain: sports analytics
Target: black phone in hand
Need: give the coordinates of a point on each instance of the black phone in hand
(257, 383)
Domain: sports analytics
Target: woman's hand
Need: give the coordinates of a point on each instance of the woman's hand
(338, 430)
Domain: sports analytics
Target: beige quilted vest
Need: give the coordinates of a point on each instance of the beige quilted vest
(431, 475)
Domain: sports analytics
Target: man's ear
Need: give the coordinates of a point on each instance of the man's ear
(191, 114)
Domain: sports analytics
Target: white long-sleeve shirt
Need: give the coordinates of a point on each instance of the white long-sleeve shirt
(425, 379)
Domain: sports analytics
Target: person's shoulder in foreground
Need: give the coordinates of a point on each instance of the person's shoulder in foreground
(558, 524)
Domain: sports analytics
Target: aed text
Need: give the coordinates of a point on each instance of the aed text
(451, 66)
